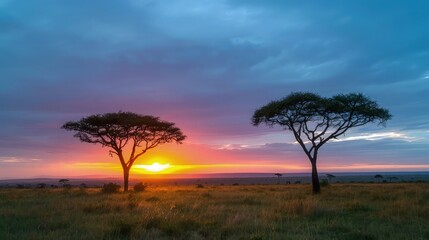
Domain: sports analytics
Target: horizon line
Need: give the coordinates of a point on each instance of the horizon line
(208, 175)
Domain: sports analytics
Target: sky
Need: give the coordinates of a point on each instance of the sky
(207, 65)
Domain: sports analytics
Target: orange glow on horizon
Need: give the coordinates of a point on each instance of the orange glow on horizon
(109, 168)
(187, 160)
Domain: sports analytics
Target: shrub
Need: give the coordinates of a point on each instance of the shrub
(324, 183)
(140, 187)
(110, 188)
(200, 186)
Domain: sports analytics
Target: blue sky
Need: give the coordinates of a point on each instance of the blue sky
(207, 65)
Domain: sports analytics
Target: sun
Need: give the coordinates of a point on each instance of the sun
(155, 167)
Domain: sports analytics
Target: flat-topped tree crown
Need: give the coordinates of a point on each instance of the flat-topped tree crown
(296, 107)
(314, 120)
(117, 130)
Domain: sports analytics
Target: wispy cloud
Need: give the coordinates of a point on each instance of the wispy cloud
(18, 160)
(379, 167)
(379, 136)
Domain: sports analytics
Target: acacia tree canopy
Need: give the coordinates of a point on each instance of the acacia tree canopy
(314, 120)
(118, 130)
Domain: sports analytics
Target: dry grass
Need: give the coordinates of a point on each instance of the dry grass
(342, 211)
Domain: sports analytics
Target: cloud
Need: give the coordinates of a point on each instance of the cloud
(12, 160)
(207, 65)
(379, 136)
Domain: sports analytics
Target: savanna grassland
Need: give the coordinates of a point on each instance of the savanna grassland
(341, 211)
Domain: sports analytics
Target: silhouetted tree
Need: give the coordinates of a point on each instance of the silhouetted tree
(278, 177)
(64, 181)
(379, 177)
(118, 130)
(330, 176)
(314, 120)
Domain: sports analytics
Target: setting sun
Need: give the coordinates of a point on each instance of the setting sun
(155, 167)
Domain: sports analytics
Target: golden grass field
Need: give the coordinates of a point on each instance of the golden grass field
(341, 211)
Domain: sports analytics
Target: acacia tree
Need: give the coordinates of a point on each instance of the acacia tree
(278, 177)
(315, 120)
(330, 177)
(125, 129)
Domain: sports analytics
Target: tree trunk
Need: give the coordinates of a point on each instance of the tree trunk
(126, 175)
(315, 178)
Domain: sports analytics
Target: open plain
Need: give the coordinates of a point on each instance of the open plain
(341, 211)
